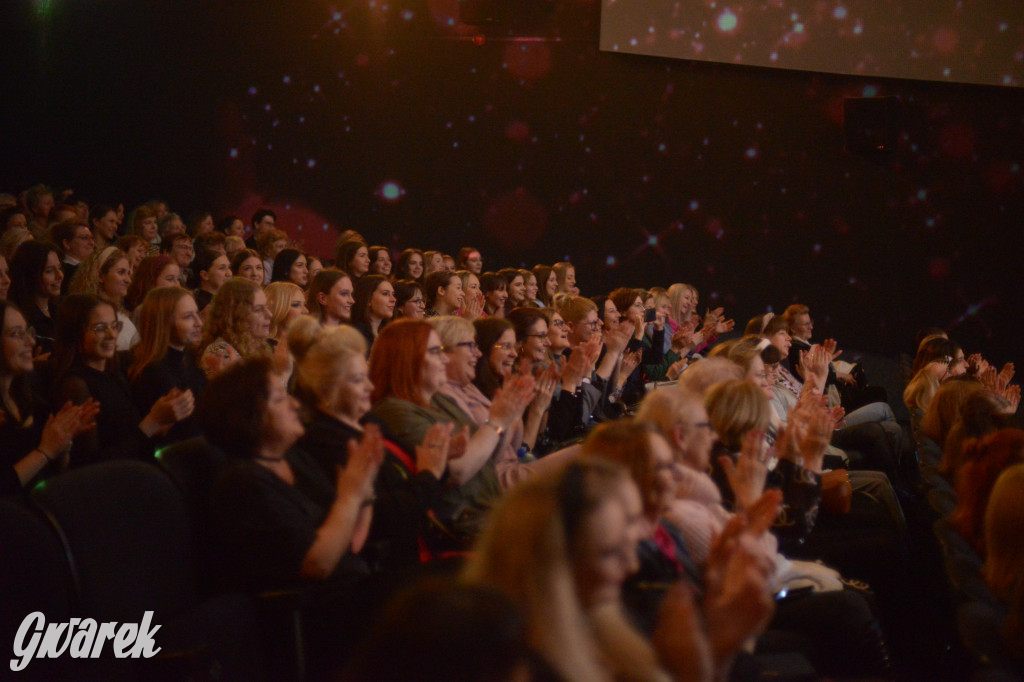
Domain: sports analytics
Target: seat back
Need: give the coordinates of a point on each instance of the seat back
(34, 576)
(125, 528)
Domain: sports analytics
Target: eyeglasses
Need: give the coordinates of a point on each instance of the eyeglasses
(21, 334)
(536, 336)
(596, 324)
(435, 350)
(699, 425)
(416, 301)
(104, 327)
(559, 323)
(503, 346)
(472, 345)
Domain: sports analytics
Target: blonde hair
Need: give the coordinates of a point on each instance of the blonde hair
(320, 356)
(944, 408)
(744, 350)
(736, 407)
(526, 551)
(675, 299)
(702, 376)
(921, 389)
(1004, 561)
(12, 239)
(279, 298)
(561, 272)
(156, 320)
(87, 276)
(451, 329)
(227, 317)
(668, 408)
(574, 309)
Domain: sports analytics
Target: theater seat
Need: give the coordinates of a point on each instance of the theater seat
(34, 576)
(125, 530)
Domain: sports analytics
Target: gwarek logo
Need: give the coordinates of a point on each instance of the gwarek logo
(81, 638)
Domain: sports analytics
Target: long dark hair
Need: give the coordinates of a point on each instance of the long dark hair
(19, 391)
(27, 266)
(488, 331)
(72, 319)
(363, 292)
(283, 263)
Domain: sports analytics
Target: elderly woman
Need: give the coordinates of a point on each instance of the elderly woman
(465, 362)
(332, 380)
(408, 370)
(277, 519)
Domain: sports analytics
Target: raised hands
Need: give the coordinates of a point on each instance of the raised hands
(715, 323)
(676, 368)
(807, 432)
(976, 364)
(617, 339)
(630, 361)
(511, 400)
(547, 381)
(61, 428)
(748, 474)
(739, 604)
(364, 459)
(172, 407)
(432, 453)
(814, 366)
(473, 307)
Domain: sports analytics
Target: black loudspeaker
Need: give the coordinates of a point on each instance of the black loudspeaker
(872, 125)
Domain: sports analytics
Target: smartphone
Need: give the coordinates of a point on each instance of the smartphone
(650, 315)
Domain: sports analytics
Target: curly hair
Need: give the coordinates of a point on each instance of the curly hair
(228, 318)
(87, 277)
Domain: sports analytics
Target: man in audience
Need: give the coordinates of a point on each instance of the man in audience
(262, 221)
(76, 243)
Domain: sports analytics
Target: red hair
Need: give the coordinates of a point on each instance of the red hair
(396, 360)
(986, 458)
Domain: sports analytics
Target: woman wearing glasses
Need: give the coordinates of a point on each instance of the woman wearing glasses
(85, 367)
(466, 362)
(408, 370)
(31, 440)
(237, 325)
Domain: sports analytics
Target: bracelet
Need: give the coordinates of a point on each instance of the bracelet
(43, 453)
(499, 429)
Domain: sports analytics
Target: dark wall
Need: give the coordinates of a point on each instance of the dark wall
(534, 147)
